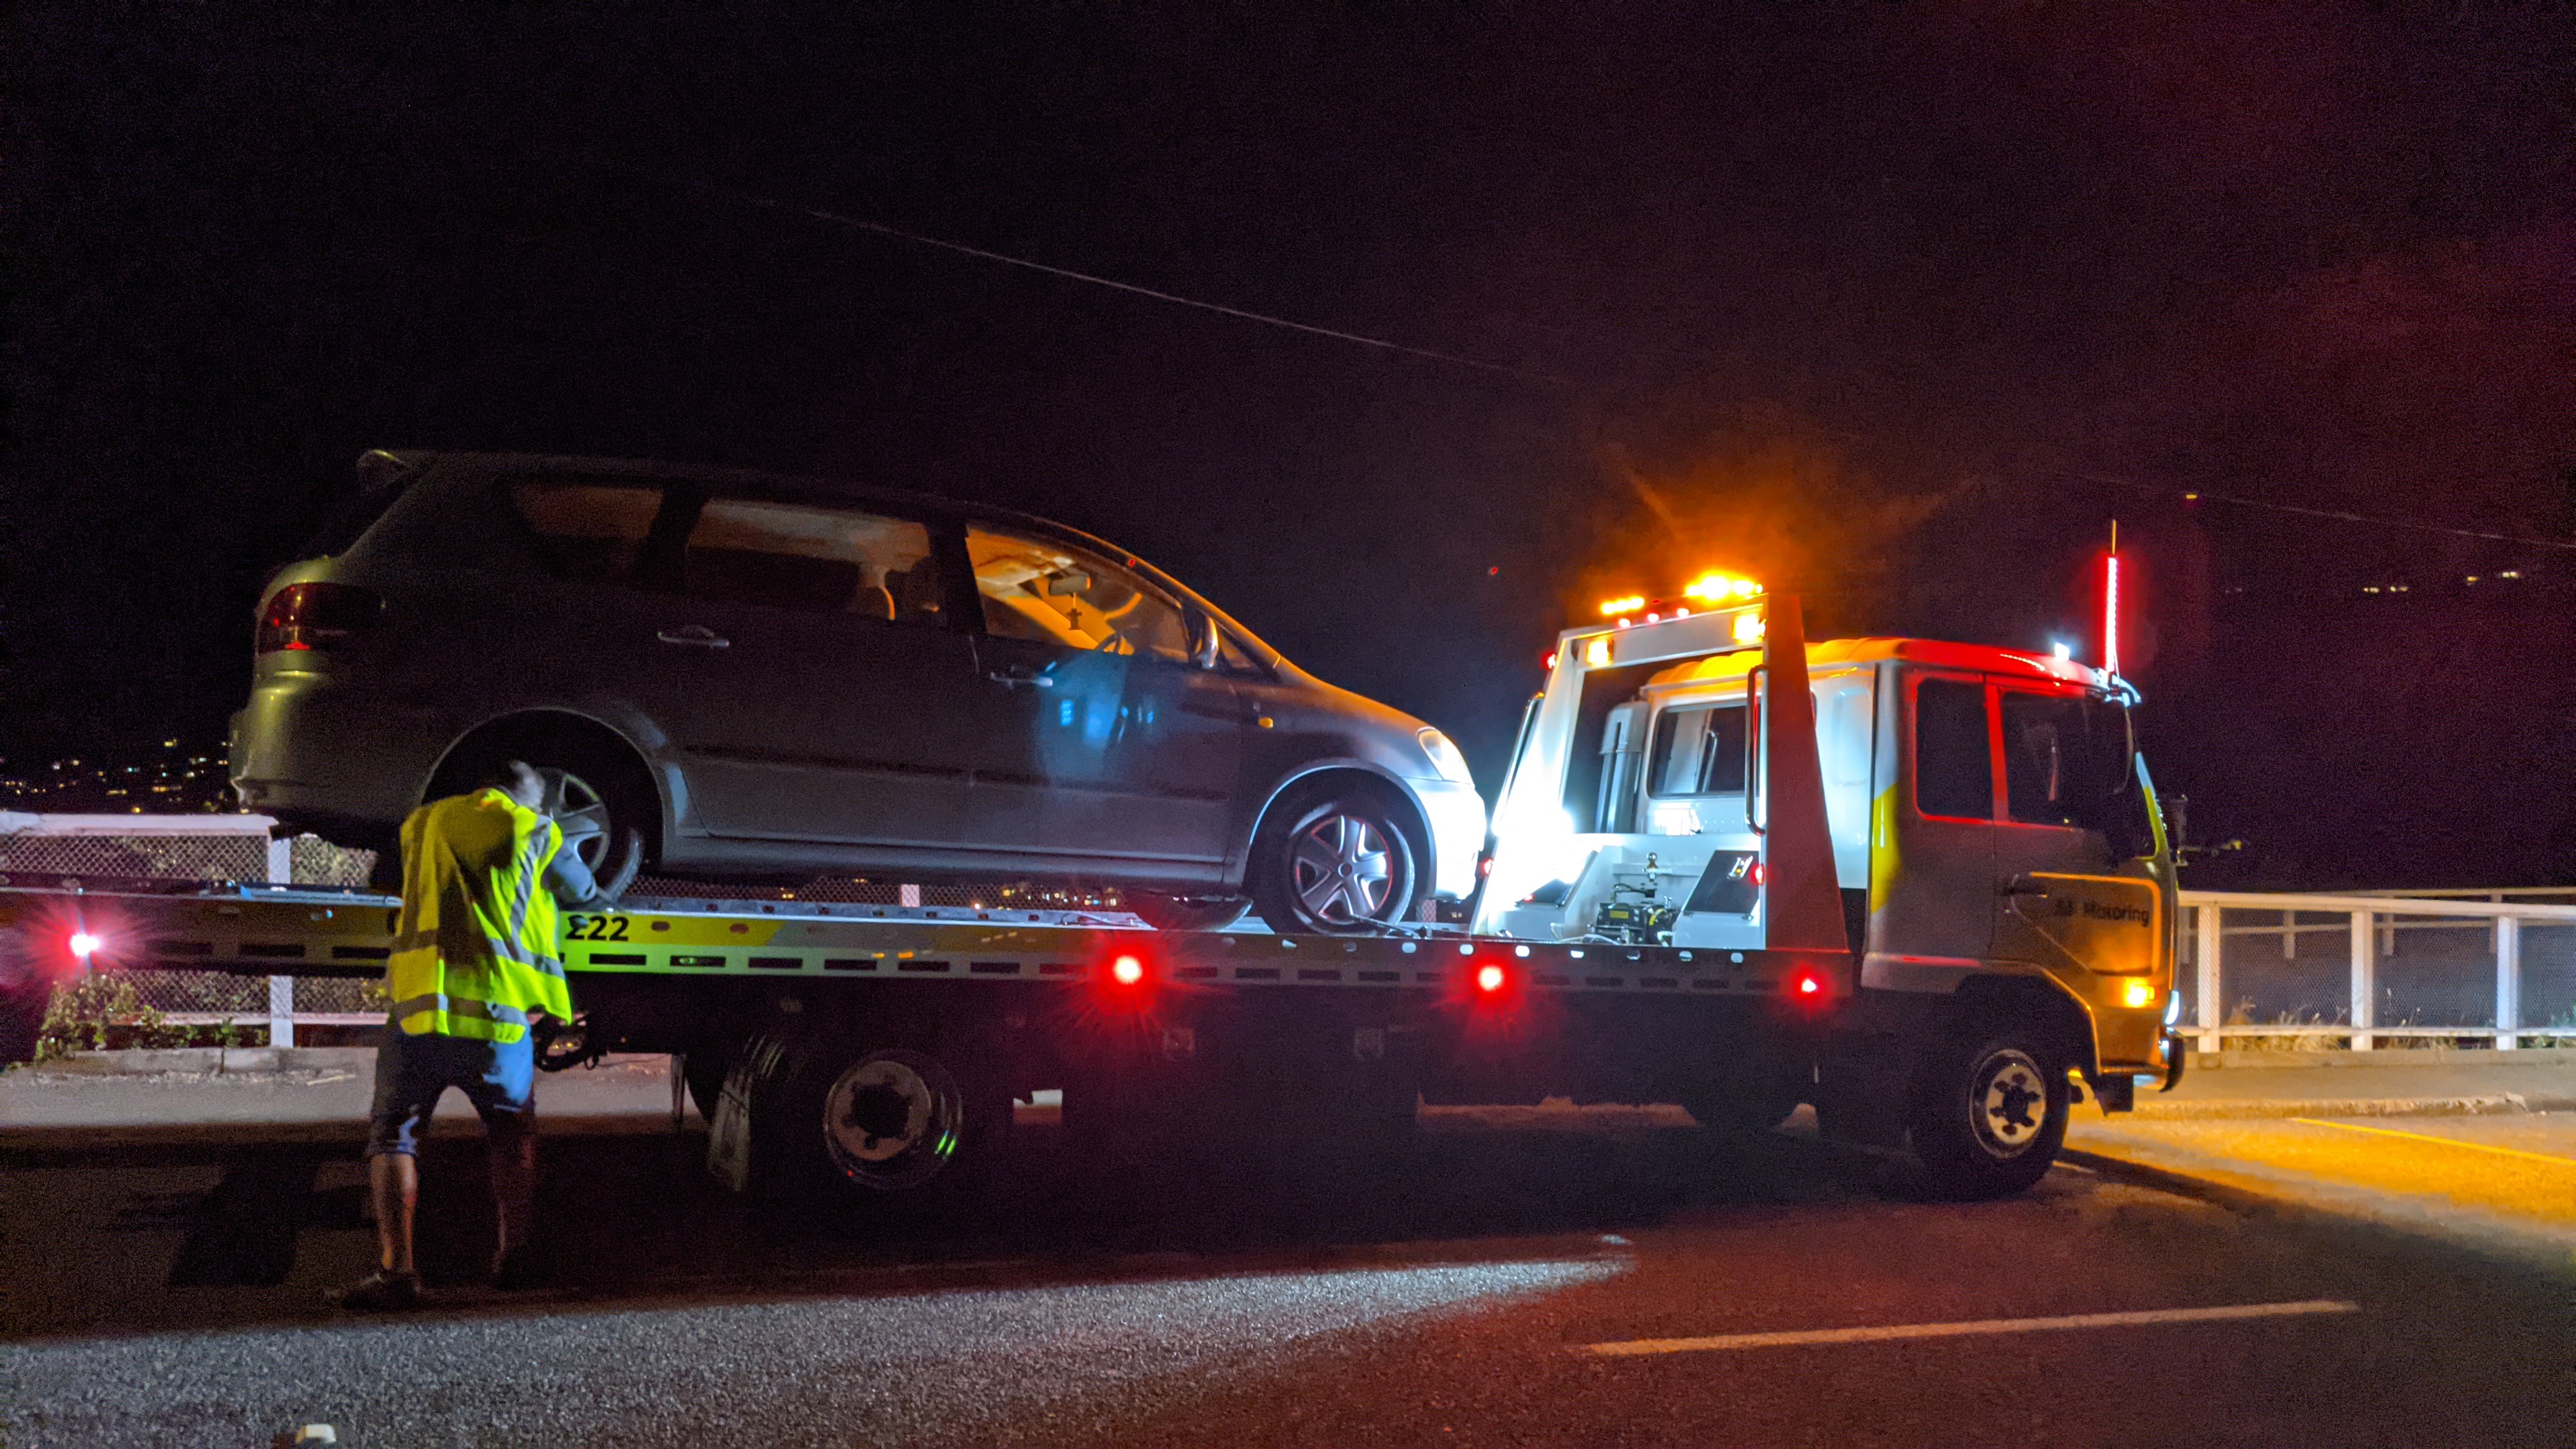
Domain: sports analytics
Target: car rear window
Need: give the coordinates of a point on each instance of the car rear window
(588, 529)
(814, 558)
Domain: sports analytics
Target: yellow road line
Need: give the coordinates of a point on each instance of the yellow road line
(2443, 1141)
(1636, 1346)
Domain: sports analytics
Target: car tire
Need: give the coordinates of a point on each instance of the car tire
(1186, 913)
(1336, 858)
(596, 793)
(1989, 1113)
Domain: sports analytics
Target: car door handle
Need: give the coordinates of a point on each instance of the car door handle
(695, 635)
(1014, 678)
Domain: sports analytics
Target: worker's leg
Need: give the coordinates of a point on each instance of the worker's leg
(506, 1098)
(408, 1084)
(513, 1153)
(394, 1178)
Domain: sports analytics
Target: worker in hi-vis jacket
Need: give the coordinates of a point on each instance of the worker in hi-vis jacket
(474, 969)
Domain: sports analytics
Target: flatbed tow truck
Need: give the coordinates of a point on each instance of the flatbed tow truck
(1787, 926)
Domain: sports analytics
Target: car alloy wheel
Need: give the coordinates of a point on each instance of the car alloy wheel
(1343, 869)
(576, 805)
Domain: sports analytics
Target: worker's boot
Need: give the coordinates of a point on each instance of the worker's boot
(383, 1291)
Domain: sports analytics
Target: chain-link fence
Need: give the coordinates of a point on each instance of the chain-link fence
(108, 848)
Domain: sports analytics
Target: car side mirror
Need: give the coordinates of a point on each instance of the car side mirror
(1203, 640)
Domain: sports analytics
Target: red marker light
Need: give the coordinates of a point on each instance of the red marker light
(1489, 978)
(1808, 985)
(1126, 970)
(84, 944)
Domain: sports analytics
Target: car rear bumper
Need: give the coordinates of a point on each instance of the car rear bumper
(1456, 816)
(324, 757)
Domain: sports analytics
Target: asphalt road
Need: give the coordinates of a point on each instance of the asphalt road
(1592, 1281)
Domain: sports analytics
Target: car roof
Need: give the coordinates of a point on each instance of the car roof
(651, 470)
(427, 461)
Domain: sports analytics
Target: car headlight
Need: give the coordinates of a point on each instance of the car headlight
(1445, 757)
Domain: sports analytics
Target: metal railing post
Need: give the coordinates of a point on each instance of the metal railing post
(281, 1011)
(2508, 957)
(2206, 946)
(2365, 979)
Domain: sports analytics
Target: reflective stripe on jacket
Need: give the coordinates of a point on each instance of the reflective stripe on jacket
(474, 947)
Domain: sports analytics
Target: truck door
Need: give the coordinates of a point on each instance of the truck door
(1932, 837)
(2076, 893)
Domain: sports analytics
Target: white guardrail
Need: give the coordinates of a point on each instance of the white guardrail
(2415, 966)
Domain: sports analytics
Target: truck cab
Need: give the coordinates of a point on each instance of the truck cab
(1993, 833)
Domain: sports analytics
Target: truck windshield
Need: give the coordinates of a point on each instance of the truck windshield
(2067, 762)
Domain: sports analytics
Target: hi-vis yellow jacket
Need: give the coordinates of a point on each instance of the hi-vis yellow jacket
(474, 947)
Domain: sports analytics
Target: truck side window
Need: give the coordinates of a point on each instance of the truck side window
(817, 559)
(1954, 769)
(2066, 762)
(587, 530)
(1698, 751)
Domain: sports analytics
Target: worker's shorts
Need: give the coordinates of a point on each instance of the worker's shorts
(413, 1072)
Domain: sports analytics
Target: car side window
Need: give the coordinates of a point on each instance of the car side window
(814, 558)
(1052, 593)
(1954, 771)
(588, 529)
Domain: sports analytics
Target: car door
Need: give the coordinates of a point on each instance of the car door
(812, 673)
(1099, 735)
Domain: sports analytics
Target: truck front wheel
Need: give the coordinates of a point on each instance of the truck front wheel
(1989, 1113)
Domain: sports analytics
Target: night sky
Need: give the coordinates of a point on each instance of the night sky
(1899, 306)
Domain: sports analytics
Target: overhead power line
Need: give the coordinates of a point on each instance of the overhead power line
(878, 228)
(2203, 495)
(1504, 369)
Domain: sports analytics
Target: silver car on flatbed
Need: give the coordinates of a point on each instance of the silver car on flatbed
(771, 677)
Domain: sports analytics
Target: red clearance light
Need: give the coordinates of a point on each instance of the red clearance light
(1489, 979)
(1126, 970)
(85, 944)
(1808, 985)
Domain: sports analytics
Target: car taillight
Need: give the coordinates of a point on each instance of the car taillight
(314, 616)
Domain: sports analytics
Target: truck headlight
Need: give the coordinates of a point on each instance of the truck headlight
(1445, 757)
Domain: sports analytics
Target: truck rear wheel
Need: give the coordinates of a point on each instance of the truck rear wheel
(878, 1125)
(1989, 1113)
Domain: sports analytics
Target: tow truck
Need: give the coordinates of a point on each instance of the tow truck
(1920, 886)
